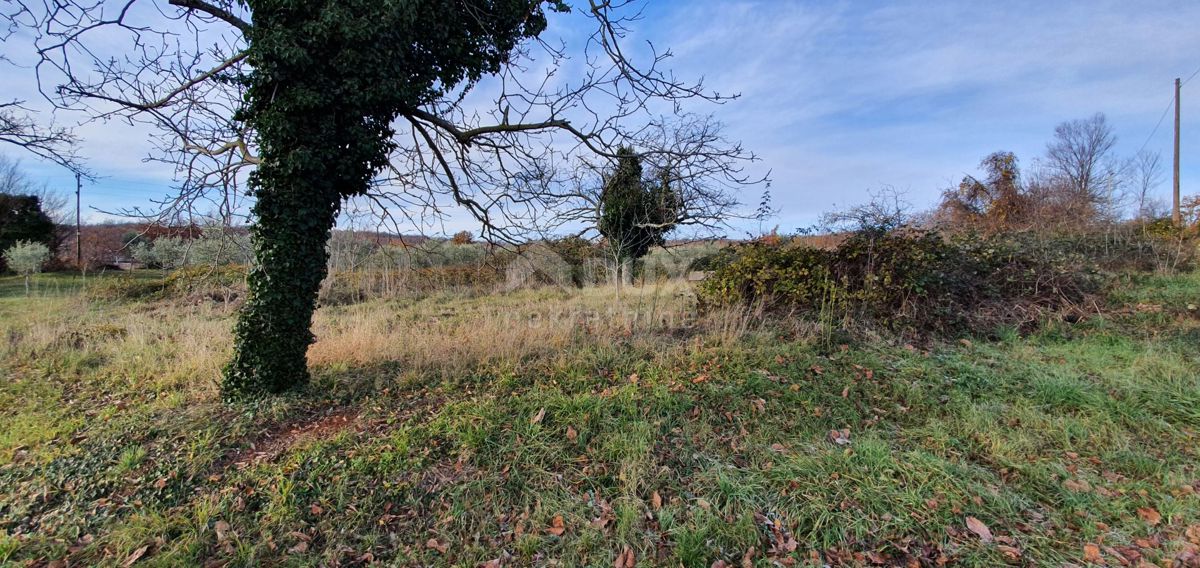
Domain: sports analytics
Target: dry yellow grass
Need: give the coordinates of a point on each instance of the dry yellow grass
(179, 347)
(448, 334)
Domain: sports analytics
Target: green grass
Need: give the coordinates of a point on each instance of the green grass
(113, 440)
(67, 284)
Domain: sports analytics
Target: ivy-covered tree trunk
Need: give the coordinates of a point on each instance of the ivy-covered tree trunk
(328, 79)
(272, 334)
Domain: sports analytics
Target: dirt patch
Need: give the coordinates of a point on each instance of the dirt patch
(277, 438)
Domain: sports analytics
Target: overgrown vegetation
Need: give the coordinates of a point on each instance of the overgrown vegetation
(924, 281)
(556, 426)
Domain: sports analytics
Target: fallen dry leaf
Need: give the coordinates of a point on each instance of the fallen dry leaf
(840, 437)
(1011, 552)
(626, 559)
(1078, 486)
(537, 418)
(300, 548)
(315, 509)
(435, 545)
(1193, 534)
(556, 528)
(1149, 515)
(1091, 553)
(748, 558)
(571, 434)
(656, 500)
(1129, 553)
(222, 529)
(981, 530)
(137, 555)
(491, 564)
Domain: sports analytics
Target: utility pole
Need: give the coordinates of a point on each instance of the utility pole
(78, 227)
(1176, 218)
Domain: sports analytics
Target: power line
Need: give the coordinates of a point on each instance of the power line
(1192, 76)
(1167, 109)
(1170, 103)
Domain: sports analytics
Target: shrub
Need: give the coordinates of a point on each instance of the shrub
(223, 283)
(714, 260)
(219, 246)
(906, 280)
(165, 252)
(581, 256)
(26, 258)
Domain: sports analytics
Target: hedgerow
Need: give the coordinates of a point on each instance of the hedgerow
(908, 280)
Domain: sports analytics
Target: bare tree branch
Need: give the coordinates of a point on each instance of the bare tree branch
(56, 144)
(214, 11)
(524, 161)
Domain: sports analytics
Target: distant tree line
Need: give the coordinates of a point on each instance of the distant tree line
(1078, 183)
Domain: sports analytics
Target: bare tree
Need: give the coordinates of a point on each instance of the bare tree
(1081, 156)
(369, 101)
(1146, 169)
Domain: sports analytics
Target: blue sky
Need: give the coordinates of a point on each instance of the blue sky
(839, 98)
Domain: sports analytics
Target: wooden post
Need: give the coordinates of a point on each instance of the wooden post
(1175, 215)
(78, 227)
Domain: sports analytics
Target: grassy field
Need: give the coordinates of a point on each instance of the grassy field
(573, 428)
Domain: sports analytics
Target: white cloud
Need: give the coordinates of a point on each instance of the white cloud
(839, 98)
